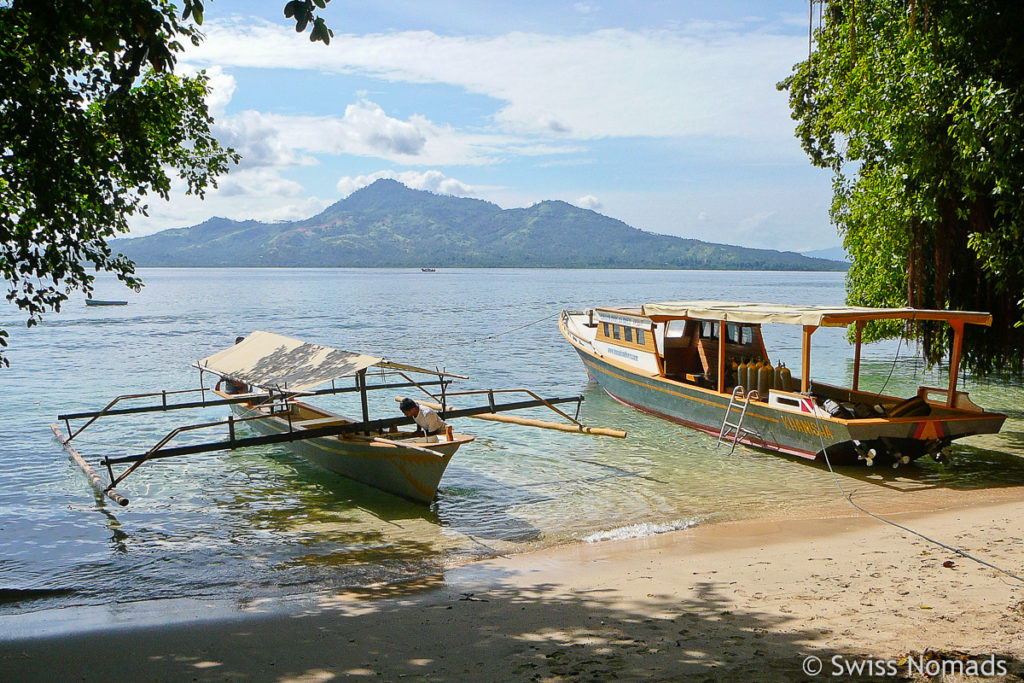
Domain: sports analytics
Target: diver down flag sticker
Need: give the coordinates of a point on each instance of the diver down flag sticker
(929, 430)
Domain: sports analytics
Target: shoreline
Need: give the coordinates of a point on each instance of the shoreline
(744, 598)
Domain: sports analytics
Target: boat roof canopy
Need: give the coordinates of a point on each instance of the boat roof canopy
(818, 316)
(273, 361)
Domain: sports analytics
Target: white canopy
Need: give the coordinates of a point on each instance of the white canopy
(819, 316)
(271, 361)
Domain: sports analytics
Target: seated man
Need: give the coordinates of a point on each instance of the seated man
(427, 421)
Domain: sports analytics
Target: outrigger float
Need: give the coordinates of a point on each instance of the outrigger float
(263, 378)
(704, 364)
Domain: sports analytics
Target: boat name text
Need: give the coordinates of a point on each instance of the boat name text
(618, 352)
(619, 319)
(812, 428)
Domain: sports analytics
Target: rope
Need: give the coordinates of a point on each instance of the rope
(500, 334)
(849, 498)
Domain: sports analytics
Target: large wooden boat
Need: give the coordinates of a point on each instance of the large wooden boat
(265, 377)
(690, 362)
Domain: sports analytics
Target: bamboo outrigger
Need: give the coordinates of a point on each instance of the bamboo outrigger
(704, 364)
(272, 372)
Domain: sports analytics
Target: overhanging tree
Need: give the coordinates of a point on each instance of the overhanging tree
(92, 120)
(917, 107)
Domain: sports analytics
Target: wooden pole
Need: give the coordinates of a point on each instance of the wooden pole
(89, 471)
(954, 361)
(542, 424)
(856, 356)
(721, 356)
(805, 365)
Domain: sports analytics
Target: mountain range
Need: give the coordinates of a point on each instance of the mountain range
(386, 224)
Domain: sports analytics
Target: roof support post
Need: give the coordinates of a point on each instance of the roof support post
(361, 383)
(805, 365)
(856, 356)
(954, 360)
(721, 356)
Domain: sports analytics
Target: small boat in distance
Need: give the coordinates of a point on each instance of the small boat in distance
(428, 270)
(704, 364)
(104, 302)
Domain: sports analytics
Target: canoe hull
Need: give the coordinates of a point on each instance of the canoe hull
(407, 472)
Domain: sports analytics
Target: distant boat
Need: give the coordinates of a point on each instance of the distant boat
(428, 270)
(104, 302)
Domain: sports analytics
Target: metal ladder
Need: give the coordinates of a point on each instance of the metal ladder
(735, 429)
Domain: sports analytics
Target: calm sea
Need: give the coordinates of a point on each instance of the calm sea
(260, 523)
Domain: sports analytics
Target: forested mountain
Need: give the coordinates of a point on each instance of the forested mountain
(388, 224)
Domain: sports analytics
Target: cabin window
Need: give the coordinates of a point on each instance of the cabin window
(675, 328)
(640, 338)
(709, 330)
(746, 335)
(732, 333)
(627, 334)
(616, 334)
(606, 332)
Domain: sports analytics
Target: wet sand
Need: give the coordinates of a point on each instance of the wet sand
(746, 600)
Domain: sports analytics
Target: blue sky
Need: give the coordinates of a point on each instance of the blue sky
(661, 114)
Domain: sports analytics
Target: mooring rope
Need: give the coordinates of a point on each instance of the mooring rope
(849, 498)
(501, 334)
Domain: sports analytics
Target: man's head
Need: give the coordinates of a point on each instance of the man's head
(409, 407)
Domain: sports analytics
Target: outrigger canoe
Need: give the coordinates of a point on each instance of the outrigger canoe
(263, 378)
(704, 364)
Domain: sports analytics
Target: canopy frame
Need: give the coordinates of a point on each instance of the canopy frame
(810, 318)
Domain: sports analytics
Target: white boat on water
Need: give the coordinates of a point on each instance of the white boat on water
(266, 379)
(283, 369)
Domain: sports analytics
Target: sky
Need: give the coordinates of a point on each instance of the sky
(662, 114)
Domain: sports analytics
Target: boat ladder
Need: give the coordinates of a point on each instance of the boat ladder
(739, 401)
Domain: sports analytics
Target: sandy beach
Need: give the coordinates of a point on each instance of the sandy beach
(748, 600)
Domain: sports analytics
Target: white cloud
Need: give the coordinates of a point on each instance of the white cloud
(432, 180)
(589, 202)
(718, 81)
(279, 140)
(257, 181)
(222, 89)
(261, 140)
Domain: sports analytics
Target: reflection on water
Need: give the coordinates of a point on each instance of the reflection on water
(260, 522)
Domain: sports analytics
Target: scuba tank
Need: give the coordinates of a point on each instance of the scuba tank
(733, 366)
(752, 368)
(741, 374)
(765, 377)
(785, 379)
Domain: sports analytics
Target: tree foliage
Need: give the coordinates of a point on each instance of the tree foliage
(917, 107)
(93, 119)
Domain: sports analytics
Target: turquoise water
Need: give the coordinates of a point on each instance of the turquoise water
(249, 524)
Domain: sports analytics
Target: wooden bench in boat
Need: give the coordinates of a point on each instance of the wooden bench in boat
(323, 422)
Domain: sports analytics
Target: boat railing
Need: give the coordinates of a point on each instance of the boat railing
(961, 400)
